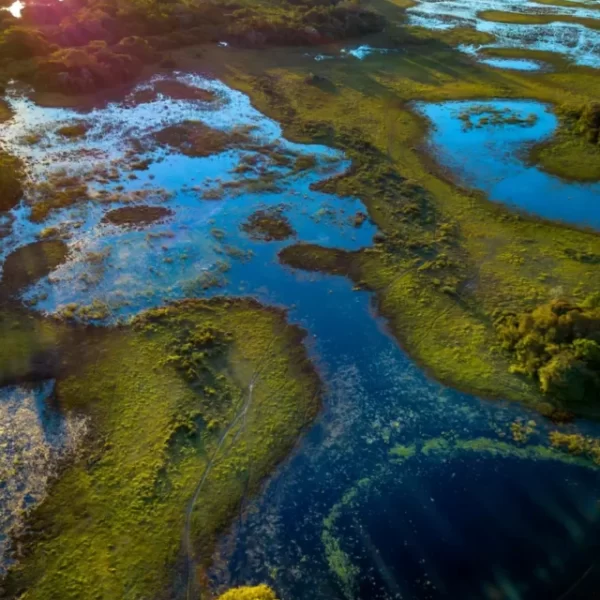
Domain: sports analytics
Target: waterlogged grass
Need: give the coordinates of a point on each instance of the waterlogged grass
(203, 398)
(30, 263)
(568, 4)
(555, 59)
(499, 16)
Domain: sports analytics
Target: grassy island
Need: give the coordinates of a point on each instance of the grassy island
(189, 408)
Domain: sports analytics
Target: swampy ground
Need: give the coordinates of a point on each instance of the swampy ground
(189, 407)
(447, 259)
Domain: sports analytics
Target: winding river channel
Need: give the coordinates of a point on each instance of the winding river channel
(403, 488)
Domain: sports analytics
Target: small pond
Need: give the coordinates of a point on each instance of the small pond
(485, 143)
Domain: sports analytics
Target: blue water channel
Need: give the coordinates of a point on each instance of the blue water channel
(403, 488)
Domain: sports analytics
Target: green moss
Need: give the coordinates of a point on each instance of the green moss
(200, 398)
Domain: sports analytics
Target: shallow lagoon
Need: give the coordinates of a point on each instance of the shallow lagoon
(386, 429)
(489, 153)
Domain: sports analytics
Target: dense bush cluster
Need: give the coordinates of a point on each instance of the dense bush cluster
(88, 44)
(585, 120)
(20, 42)
(85, 69)
(558, 344)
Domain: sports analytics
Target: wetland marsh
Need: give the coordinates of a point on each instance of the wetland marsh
(308, 299)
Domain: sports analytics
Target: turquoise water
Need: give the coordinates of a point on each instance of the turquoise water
(492, 157)
(403, 487)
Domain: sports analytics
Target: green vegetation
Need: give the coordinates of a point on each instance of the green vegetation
(137, 216)
(57, 192)
(577, 445)
(258, 592)
(558, 345)
(478, 116)
(577, 136)
(196, 401)
(11, 181)
(499, 16)
(569, 4)
(268, 225)
(445, 259)
(81, 46)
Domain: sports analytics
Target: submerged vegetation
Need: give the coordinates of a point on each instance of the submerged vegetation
(558, 345)
(269, 224)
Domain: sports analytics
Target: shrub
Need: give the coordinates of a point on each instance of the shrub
(84, 70)
(584, 120)
(259, 592)
(137, 47)
(11, 174)
(21, 42)
(558, 344)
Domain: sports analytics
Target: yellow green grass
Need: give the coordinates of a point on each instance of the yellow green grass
(205, 391)
(568, 4)
(517, 18)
